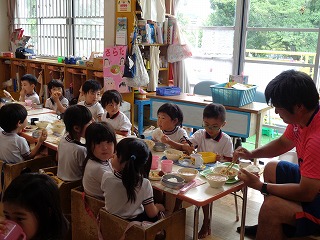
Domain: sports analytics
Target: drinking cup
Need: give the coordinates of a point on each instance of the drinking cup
(33, 120)
(166, 166)
(155, 162)
(28, 102)
(12, 231)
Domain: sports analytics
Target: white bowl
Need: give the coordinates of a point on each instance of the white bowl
(232, 173)
(41, 124)
(173, 154)
(57, 129)
(216, 180)
(188, 174)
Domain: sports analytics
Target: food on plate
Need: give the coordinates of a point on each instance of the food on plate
(228, 172)
(155, 175)
(115, 69)
(161, 173)
(217, 178)
(174, 180)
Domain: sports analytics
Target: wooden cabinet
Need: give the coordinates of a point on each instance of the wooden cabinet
(72, 76)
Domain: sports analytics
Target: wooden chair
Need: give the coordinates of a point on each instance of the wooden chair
(172, 227)
(83, 226)
(11, 171)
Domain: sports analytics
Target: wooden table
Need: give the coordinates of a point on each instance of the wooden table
(242, 121)
(204, 194)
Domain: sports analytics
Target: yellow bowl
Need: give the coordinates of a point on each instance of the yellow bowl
(208, 157)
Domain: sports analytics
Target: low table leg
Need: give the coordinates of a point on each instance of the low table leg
(195, 222)
(244, 211)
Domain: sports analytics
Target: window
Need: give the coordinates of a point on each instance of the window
(62, 27)
(259, 38)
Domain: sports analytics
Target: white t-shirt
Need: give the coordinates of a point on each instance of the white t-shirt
(34, 97)
(13, 148)
(53, 106)
(95, 109)
(119, 121)
(221, 145)
(175, 135)
(71, 159)
(116, 200)
(92, 177)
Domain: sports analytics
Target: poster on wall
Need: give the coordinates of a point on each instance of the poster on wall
(121, 31)
(124, 5)
(113, 67)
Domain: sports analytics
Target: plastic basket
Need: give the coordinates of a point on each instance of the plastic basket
(232, 97)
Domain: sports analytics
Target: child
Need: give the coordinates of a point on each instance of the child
(211, 139)
(91, 90)
(111, 101)
(71, 152)
(28, 84)
(57, 101)
(170, 131)
(32, 201)
(100, 143)
(127, 193)
(13, 148)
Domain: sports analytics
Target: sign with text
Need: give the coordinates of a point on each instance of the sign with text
(113, 67)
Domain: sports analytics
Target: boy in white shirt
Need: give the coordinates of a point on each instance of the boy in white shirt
(91, 90)
(111, 101)
(13, 148)
(28, 84)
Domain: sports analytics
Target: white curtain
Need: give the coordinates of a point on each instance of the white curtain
(179, 68)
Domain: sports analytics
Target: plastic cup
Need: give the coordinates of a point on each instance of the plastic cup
(155, 162)
(28, 102)
(13, 231)
(166, 166)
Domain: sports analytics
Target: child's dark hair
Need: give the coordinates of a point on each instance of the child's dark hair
(10, 115)
(135, 154)
(76, 115)
(214, 110)
(173, 111)
(98, 132)
(30, 78)
(55, 83)
(109, 96)
(91, 84)
(39, 194)
(290, 88)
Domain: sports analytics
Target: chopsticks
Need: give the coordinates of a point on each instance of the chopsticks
(190, 143)
(234, 160)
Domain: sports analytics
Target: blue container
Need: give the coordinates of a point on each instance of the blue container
(168, 91)
(232, 97)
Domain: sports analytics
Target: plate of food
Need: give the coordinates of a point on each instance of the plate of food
(115, 69)
(209, 170)
(155, 175)
(30, 128)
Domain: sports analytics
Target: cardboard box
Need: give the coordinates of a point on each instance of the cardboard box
(7, 54)
(98, 63)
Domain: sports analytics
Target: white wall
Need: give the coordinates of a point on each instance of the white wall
(109, 22)
(4, 33)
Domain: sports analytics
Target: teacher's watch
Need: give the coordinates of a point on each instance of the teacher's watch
(264, 189)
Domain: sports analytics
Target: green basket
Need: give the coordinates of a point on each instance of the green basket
(232, 97)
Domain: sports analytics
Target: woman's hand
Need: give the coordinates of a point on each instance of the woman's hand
(250, 179)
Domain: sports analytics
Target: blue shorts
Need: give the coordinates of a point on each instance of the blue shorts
(308, 221)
